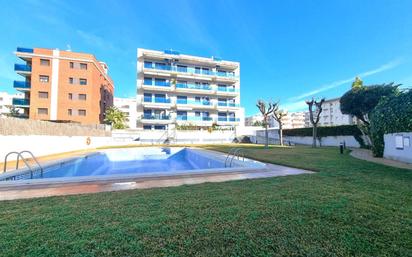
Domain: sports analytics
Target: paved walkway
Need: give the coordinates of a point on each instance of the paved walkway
(74, 188)
(366, 155)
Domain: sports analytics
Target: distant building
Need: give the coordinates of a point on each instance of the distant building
(62, 85)
(6, 101)
(129, 107)
(331, 115)
(291, 120)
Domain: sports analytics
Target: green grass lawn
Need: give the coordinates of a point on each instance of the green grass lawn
(349, 207)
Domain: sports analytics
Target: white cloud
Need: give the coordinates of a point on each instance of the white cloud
(390, 65)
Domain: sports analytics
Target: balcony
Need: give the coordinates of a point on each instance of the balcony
(194, 118)
(21, 102)
(188, 70)
(24, 50)
(155, 117)
(193, 86)
(228, 104)
(21, 85)
(192, 102)
(22, 69)
(228, 119)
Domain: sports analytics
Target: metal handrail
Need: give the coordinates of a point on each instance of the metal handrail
(231, 151)
(237, 154)
(20, 154)
(33, 157)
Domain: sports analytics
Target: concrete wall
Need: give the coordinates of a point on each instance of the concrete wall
(46, 145)
(398, 146)
(15, 126)
(259, 137)
(180, 137)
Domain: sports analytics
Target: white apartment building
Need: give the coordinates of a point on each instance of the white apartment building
(6, 100)
(178, 89)
(291, 120)
(331, 115)
(129, 107)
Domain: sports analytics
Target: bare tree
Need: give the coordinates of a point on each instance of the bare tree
(312, 113)
(265, 109)
(279, 115)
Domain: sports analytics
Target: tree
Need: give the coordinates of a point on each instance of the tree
(279, 115)
(257, 124)
(116, 118)
(13, 111)
(358, 83)
(312, 113)
(360, 101)
(393, 114)
(265, 109)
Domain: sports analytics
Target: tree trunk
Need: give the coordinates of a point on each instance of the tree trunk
(266, 137)
(280, 135)
(315, 132)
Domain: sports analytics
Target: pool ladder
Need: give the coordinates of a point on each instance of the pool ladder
(20, 155)
(232, 154)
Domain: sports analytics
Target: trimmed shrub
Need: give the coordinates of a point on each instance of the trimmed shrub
(344, 130)
(391, 115)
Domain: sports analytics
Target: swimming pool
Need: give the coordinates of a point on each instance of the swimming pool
(133, 162)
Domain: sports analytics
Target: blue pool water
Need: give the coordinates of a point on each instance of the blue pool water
(131, 161)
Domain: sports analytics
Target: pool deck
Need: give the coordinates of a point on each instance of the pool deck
(74, 188)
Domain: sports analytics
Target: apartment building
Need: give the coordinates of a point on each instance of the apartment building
(332, 116)
(6, 101)
(291, 120)
(178, 89)
(62, 86)
(129, 107)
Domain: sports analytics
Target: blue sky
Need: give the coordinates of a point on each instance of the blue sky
(288, 50)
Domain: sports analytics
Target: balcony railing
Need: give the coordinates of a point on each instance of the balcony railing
(193, 86)
(185, 101)
(21, 84)
(228, 119)
(22, 67)
(155, 117)
(21, 101)
(227, 89)
(191, 70)
(156, 100)
(24, 50)
(193, 118)
(226, 104)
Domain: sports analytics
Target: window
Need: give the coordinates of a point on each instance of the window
(147, 127)
(181, 68)
(71, 81)
(44, 78)
(159, 127)
(148, 65)
(71, 65)
(83, 66)
(44, 62)
(42, 111)
(43, 94)
(70, 96)
(83, 81)
(70, 112)
(160, 82)
(82, 112)
(82, 97)
(147, 81)
(147, 97)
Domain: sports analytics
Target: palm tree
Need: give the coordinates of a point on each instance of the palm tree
(116, 118)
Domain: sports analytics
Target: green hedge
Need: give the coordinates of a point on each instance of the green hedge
(391, 115)
(344, 130)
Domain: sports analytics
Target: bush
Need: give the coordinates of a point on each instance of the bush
(391, 115)
(344, 130)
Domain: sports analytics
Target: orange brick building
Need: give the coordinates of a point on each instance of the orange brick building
(63, 86)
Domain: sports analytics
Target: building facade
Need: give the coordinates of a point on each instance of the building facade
(175, 89)
(63, 86)
(332, 116)
(129, 107)
(291, 120)
(6, 101)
